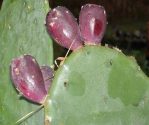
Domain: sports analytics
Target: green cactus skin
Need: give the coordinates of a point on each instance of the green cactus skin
(99, 86)
(22, 31)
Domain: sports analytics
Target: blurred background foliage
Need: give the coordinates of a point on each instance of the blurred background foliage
(128, 26)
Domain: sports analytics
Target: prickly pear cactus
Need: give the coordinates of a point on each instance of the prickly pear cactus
(99, 86)
(22, 31)
(94, 86)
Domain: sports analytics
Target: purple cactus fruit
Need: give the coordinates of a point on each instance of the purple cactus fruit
(63, 28)
(92, 23)
(27, 78)
(48, 75)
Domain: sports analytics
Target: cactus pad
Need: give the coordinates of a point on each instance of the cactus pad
(22, 31)
(99, 86)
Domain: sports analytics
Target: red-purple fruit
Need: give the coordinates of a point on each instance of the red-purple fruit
(47, 74)
(63, 28)
(92, 23)
(27, 78)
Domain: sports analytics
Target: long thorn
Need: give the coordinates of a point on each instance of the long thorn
(62, 59)
(68, 50)
(67, 53)
(55, 61)
(28, 115)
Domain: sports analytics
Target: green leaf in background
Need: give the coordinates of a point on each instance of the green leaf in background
(99, 86)
(22, 31)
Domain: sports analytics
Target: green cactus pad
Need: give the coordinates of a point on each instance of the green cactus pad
(99, 86)
(22, 31)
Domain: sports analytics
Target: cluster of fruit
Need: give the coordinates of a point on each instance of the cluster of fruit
(33, 81)
(63, 27)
